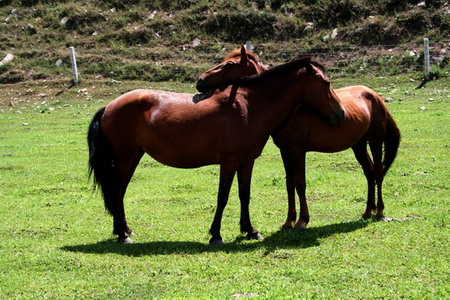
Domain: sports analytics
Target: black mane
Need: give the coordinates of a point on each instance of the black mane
(275, 71)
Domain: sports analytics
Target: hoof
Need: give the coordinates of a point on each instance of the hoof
(379, 217)
(126, 240)
(216, 243)
(286, 226)
(300, 226)
(366, 216)
(255, 236)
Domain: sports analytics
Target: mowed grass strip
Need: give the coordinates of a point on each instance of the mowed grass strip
(57, 240)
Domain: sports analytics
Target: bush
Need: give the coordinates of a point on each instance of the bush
(80, 19)
(414, 21)
(241, 26)
(375, 32)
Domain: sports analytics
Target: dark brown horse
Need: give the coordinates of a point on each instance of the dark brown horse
(367, 121)
(230, 128)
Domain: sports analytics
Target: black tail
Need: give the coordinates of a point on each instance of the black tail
(391, 142)
(101, 160)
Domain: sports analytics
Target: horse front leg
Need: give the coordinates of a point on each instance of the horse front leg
(290, 188)
(226, 179)
(244, 173)
(299, 161)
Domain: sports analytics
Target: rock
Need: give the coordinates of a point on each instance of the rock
(30, 29)
(113, 81)
(309, 27)
(8, 58)
(151, 15)
(196, 42)
(334, 33)
(388, 100)
(59, 63)
(326, 38)
(64, 20)
(421, 4)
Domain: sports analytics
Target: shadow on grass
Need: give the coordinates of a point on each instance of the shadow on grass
(282, 239)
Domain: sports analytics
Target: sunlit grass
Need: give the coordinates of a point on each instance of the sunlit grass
(57, 240)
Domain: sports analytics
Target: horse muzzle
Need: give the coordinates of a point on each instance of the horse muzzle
(203, 85)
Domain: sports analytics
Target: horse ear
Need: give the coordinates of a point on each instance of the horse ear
(309, 67)
(244, 57)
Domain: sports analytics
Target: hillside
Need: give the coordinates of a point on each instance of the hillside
(176, 40)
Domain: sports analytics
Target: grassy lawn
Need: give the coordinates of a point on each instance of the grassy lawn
(57, 240)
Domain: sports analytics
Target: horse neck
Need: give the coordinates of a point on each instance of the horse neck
(273, 100)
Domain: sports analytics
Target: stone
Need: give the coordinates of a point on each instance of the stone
(334, 33)
(7, 59)
(64, 20)
(196, 42)
(309, 27)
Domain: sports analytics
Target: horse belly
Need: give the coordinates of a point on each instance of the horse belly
(311, 133)
(180, 148)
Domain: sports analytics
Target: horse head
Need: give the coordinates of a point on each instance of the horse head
(319, 93)
(237, 63)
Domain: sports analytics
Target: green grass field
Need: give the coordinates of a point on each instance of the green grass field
(57, 242)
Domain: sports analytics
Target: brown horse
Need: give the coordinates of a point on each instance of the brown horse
(230, 128)
(367, 121)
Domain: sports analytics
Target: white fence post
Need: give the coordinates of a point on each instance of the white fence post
(74, 65)
(248, 46)
(427, 57)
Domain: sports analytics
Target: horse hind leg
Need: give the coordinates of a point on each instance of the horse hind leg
(299, 161)
(290, 188)
(360, 151)
(376, 148)
(125, 169)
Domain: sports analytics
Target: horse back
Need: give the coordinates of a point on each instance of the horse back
(375, 104)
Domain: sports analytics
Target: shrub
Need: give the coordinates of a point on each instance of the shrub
(241, 26)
